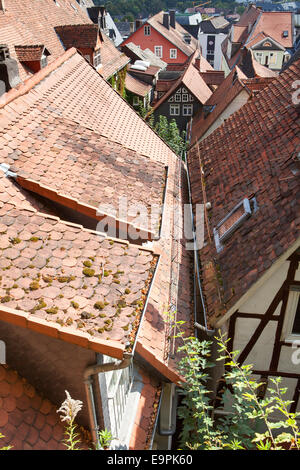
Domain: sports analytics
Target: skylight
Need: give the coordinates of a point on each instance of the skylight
(233, 221)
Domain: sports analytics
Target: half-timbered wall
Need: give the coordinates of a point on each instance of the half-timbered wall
(260, 330)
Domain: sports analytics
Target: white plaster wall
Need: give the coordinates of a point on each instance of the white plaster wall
(234, 106)
(219, 38)
(264, 295)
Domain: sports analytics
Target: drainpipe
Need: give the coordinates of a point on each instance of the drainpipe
(95, 369)
(89, 372)
(172, 430)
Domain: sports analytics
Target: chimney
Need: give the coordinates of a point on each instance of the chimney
(102, 19)
(9, 72)
(138, 24)
(166, 20)
(198, 63)
(2, 5)
(172, 19)
(131, 27)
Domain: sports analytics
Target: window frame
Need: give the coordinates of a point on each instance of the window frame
(136, 100)
(177, 106)
(147, 28)
(97, 58)
(187, 106)
(161, 51)
(248, 211)
(290, 315)
(172, 50)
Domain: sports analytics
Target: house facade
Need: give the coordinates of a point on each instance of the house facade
(166, 38)
(212, 33)
(250, 258)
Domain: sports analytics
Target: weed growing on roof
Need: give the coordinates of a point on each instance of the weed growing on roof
(34, 285)
(87, 263)
(88, 272)
(127, 291)
(74, 304)
(52, 310)
(15, 240)
(99, 305)
(34, 239)
(6, 299)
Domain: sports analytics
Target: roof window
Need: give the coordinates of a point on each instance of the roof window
(233, 221)
(285, 34)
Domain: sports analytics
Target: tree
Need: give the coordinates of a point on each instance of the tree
(169, 132)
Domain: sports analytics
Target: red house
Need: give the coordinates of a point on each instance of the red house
(165, 37)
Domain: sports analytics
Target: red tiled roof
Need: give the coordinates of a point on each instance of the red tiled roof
(29, 53)
(137, 86)
(61, 274)
(23, 24)
(71, 89)
(27, 420)
(78, 35)
(254, 153)
(175, 36)
(66, 162)
(112, 59)
(193, 81)
(272, 24)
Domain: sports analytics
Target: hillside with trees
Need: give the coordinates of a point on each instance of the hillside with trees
(131, 9)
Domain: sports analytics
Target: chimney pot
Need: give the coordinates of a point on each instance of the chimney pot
(9, 72)
(138, 24)
(173, 19)
(166, 20)
(2, 5)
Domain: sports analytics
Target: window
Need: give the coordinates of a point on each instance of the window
(118, 383)
(187, 110)
(136, 101)
(285, 34)
(158, 51)
(191, 97)
(174, 109)
(258, 56)
(185, 97)
(233, 221)
(177, 97)
(44, 61)
(97, 58)
(173, 53)
(147, 30)
(273, 58)
(291, 329)
(171, 99)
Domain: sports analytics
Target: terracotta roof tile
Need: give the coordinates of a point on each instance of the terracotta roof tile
(254, 153)
(29, 53)
(137, 86)
(76, 161)
(78, 35)
(27, 420)
(24, 25)
(112, 59)
(93, 284)
(273, 24)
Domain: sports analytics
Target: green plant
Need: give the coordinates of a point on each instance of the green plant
(69, 410)
(105, 438)
(5, 447)
(251, 423)
(170, 133)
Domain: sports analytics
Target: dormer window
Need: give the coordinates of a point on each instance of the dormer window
(187, 38)
(35, 57)
(233, 220)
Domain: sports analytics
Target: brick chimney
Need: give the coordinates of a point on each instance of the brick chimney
(166, 20)
(9, 72)
(172, 19)
(138, 24)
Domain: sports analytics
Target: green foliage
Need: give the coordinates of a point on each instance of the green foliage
(6, 447)
(105, 438)
(131, 9)
(169, 132)
(251, 423)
